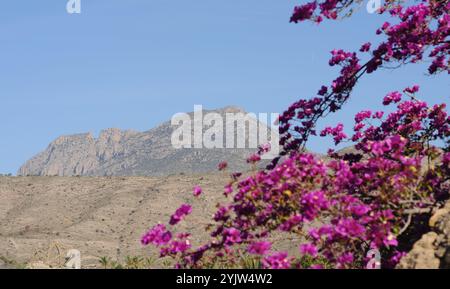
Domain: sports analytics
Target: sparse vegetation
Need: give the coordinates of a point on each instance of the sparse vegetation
(130, 262)
(12, 264)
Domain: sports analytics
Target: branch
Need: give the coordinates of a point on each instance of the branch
(405, 227)
(417, 211)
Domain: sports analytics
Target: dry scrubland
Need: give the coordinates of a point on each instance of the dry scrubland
(100, 216)
(41, 218)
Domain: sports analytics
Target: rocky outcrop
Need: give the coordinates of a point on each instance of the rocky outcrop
(432, 251)
(125, 153)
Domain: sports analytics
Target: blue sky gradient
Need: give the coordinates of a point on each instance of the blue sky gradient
(133, 64)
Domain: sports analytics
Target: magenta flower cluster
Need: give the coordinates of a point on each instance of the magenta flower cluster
(158, 236)
(339, 208)
(197, 191)
(180, 213)
(415, 29)
(222, 166)
(356, 203)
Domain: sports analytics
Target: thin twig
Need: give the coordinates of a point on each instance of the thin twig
(418, 211)
(408, 222)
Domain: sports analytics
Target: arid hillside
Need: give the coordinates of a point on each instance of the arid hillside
(41, 218)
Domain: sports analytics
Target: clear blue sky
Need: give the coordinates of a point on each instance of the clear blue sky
(134, 63)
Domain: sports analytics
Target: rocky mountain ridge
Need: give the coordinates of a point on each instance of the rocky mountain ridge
(126, 153)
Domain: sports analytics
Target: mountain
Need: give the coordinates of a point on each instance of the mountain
(130, 153)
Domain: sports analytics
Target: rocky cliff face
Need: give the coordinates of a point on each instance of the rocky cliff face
(432, 251)
(124, 153)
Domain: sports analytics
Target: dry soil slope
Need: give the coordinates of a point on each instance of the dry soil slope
(100, 216)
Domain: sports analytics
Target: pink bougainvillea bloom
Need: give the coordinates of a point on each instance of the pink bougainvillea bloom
(360, 210)
(392, 97)
(197, 191)
(396, 257)
(365, 114)
(303, 12)
(221, 214)
(228, 189)
(365, 47)
(337, 133)
(180, 213)
(277, 261)
(378, 114)
(323, 90)
(158, 236)
(232, 236)
(254, 158)
(390, 240)
(308, 249)
(412, 90)
(291, 222)
(179, 246)
(259, 248)
(222, 166)
(345, 259)
(349, 228)
(446, 158)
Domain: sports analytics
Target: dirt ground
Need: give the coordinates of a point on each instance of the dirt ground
(41, 218)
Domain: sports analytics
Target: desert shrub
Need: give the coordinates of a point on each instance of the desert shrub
(130, 262)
